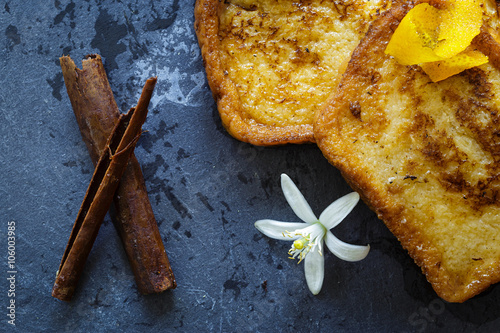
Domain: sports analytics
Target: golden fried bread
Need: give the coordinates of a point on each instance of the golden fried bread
(272, 64)
(424, 156)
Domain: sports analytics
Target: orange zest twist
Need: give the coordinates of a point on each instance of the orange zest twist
(439, 39)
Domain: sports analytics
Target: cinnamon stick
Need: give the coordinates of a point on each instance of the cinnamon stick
(99, 196)
(96, 113)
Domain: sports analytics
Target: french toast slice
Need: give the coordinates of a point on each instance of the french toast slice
(424, 156)
(272, 64)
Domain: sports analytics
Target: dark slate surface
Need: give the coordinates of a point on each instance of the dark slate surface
(206, 189)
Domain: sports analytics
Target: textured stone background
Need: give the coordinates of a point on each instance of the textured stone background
(206, 189)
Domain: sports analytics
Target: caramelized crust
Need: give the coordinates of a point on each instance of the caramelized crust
(272, 64)
(424, 156)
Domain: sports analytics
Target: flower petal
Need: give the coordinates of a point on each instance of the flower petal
(345, 251)
(314, 269)
(277, 229)
(296, 200)
(338, 210)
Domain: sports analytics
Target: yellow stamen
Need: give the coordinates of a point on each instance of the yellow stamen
(299, 243)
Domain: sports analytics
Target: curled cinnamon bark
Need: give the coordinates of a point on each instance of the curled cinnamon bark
(97, 113)
(105, 180)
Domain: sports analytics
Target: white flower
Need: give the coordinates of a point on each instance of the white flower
(308, 237)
